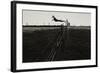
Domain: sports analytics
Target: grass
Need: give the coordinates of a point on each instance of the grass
(37, 44)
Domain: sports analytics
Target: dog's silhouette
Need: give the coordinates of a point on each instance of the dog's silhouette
(56, 20)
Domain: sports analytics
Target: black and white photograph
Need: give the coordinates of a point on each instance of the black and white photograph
(56, 36)
(53, 36)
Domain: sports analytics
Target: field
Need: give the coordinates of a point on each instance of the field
(42, 44)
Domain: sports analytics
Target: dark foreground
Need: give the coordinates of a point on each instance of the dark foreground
(40, 44)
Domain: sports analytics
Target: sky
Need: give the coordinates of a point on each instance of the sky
(36, 17)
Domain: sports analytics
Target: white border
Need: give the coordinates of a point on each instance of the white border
(21, 66)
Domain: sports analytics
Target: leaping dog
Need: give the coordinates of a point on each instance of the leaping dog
(57, 20)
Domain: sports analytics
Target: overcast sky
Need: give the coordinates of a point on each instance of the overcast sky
(31, 17)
